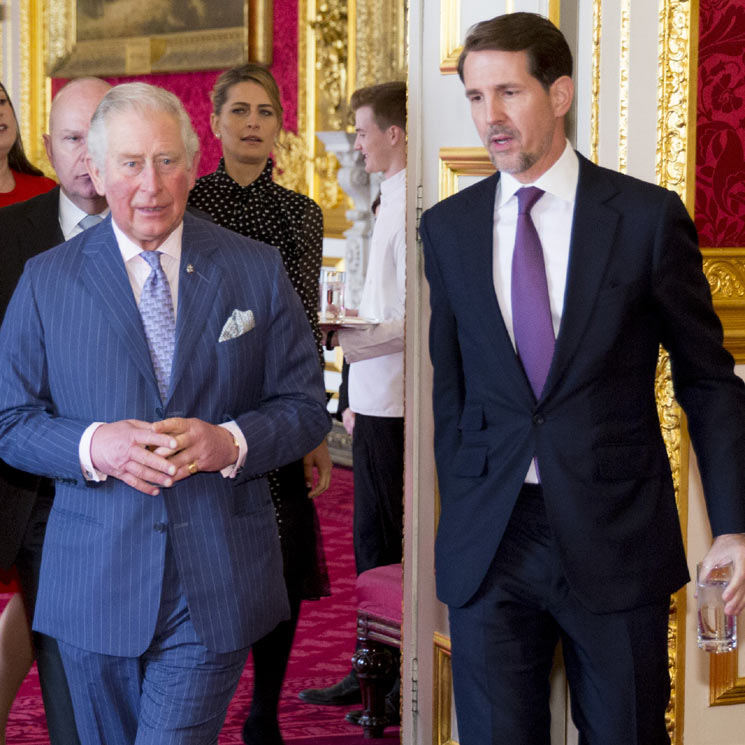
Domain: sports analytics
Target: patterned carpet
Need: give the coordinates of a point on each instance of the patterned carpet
(320, 657)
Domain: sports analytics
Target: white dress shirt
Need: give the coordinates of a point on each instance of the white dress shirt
(70, 215)
(552, 216)
(375, 355)
(138, 271)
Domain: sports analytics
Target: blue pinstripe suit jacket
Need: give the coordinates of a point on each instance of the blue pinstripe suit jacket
(73, 351)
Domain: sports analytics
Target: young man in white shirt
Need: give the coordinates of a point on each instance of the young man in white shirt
(376, 354)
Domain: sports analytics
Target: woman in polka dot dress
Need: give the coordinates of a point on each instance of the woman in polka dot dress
(240, 195)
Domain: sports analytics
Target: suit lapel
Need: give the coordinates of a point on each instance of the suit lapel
(593, 230)
(199, 279)
(105, 276)
(43, 224)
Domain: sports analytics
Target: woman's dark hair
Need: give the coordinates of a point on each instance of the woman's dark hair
(549, 56)
(17, 159)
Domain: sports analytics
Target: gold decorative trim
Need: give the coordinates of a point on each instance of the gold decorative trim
(597, 18)
(260, 30)
(450, 34)
(554, 12)
(677, 74)
(675, 163)
(306, 104)
(290, 159)
(450, 47)
(725, 687)
(725, 270)
(34, 85)
(442, 705)
(623, 98)
(461, 161)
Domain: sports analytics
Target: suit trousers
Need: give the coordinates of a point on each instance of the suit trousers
(378, 465)
(54, 690)
(176, 693)
(504, 639)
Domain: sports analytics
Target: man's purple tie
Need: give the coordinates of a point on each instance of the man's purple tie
(531, 309)
(156, 309)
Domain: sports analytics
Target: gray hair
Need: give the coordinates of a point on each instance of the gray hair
(139, 98)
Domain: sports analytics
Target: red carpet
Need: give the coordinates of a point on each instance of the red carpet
(320, 657)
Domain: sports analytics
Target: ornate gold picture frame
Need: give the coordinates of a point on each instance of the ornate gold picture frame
(136, 37)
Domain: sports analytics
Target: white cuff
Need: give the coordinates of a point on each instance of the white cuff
(84, 455)
(230, 472)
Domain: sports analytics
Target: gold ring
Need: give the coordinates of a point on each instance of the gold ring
(192, 468)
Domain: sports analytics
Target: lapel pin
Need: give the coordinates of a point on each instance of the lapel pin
(190, 268)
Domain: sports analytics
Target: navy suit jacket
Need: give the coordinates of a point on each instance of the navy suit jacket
(634, 282)
(73, 351)
(26, 229)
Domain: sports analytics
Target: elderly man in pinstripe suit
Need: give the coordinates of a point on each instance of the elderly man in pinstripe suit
(156, 366)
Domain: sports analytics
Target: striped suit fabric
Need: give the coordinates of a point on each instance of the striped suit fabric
(73, 351)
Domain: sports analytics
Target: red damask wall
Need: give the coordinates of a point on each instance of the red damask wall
(720, 140)
(193, 87)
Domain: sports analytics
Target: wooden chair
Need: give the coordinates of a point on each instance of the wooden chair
(379, 613)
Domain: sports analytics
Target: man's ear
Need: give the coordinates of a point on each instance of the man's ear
(95, 174)
(194, 169)
(48, 147)
(395, 134)
(562, 94)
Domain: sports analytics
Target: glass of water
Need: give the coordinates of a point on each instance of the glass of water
(717, 632)
(331, 296)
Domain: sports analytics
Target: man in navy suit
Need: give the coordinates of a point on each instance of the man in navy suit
(156, 366)
(558, 517)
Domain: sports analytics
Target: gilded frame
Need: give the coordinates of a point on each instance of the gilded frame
(450, 31)
(442, 721)
(725, 686)
(138, 55)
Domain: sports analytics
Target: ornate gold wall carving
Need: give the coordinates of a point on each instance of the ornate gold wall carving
(623, 100)
(597, 18)
(676, 128)
(725, 270)
(344, 44)
(290, 158)
(331, 32)
(380, 42)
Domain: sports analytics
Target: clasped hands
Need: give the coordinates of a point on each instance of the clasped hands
(148, 455)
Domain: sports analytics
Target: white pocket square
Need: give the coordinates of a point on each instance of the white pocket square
(240, 322)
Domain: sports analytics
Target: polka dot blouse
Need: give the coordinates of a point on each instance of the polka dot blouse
(268, 212)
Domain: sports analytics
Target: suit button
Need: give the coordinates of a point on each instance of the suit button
(538, 419)
(160, 527)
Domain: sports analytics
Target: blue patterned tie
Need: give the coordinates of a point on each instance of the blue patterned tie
(531, 309)
(156, 309)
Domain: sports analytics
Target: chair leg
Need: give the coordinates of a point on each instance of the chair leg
(374, 664)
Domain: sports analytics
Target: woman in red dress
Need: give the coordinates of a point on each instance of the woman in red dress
(19, 180)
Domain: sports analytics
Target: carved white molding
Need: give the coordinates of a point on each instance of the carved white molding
(361, 188)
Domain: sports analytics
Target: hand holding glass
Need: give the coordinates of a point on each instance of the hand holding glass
(717, 632)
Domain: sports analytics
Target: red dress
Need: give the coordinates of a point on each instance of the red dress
(27, 186)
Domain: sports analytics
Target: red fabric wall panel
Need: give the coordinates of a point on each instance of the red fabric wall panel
(720, 140)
